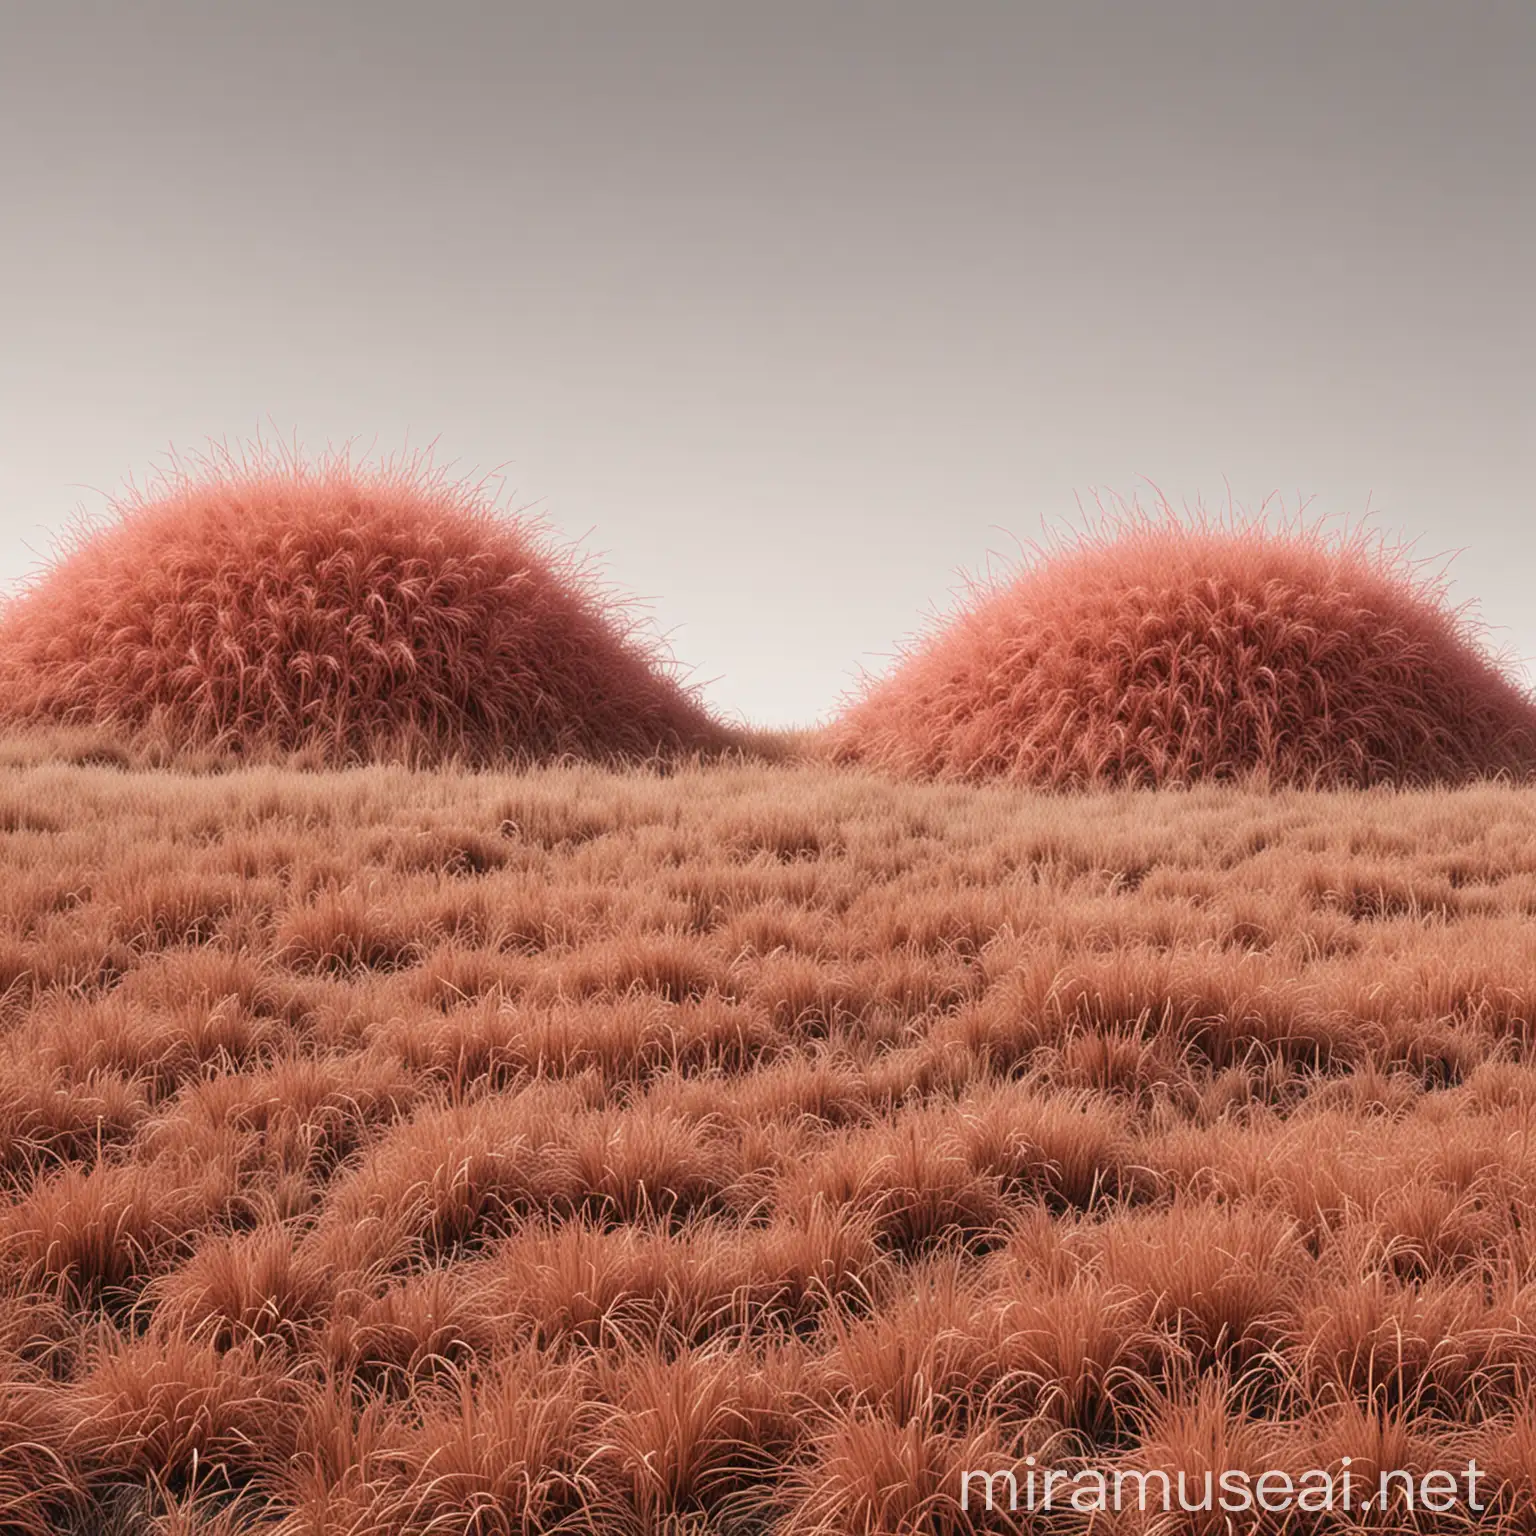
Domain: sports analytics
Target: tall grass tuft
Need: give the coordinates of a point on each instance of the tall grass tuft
(1158, 652)
(260, 605)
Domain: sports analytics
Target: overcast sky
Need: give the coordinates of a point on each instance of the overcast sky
(795, 311)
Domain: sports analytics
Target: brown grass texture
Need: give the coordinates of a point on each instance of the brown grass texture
(1161, 651)
(258, 604)
(745, 1150)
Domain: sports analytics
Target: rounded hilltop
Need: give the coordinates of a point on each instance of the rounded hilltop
(1154, 652)
(263, 605)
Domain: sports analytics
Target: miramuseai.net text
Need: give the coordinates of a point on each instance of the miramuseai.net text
(1231, 1490)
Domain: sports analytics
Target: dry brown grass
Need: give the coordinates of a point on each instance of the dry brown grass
(254, 604)
(1158, 652)
(741, 1149)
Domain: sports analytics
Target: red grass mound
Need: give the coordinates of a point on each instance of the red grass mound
(267, 606)
(1156, 653)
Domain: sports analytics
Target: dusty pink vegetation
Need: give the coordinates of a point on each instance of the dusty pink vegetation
(266, 605)
(1156, 653)
(748, 1150)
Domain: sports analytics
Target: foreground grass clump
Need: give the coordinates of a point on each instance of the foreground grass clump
(267, 606)
(749, 1149)
(1157, 653)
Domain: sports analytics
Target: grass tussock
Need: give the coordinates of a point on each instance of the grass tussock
(1156, 652)
(259, 605)
(749, 1149)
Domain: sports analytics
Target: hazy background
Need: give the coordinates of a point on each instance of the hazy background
(795, 310)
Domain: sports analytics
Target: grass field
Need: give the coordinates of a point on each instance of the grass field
(751, 1148)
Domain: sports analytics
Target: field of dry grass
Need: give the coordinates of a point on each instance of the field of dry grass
(748, 1148)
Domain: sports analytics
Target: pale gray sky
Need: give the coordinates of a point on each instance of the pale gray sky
(800, 309)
